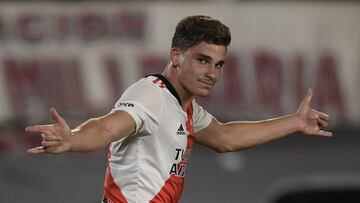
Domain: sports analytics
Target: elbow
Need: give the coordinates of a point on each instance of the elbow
(224, 146)
(224, 149)
(221, 150)
(229, 148)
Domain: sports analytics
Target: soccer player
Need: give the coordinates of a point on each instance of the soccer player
(151, 129)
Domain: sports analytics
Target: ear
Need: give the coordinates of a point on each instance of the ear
(175, 57)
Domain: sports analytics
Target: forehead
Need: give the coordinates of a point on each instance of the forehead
(216, 52)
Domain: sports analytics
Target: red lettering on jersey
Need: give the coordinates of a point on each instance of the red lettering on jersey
(159, 83)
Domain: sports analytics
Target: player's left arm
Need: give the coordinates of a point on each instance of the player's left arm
(234, 136)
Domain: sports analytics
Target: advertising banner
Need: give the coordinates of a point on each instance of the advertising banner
(80, 57)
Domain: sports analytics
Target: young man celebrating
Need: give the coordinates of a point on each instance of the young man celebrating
(151, 129)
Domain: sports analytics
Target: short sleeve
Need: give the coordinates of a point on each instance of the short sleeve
(201, 118)
(143, 102)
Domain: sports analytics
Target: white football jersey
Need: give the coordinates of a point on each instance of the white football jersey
(150, 165)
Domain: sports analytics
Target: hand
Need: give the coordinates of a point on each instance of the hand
(55, 137)
(311, 121)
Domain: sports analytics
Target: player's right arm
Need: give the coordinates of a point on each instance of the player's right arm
(95, 133)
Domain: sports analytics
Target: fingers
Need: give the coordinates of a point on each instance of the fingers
(322, 119)
(56, 117)
(50, 140)
(51, 137)
(36, 150)
(47, 132)
(47, 128)
(38, 128)
(51, 134)
(47, 142)
(322, 123)
(323, 116)
(325, 133)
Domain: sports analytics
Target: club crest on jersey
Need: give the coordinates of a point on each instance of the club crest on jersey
(181, 130)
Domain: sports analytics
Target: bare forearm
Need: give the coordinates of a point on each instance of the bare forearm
(89, 136)
(93, 134)
(240, 135)
(97, 133)
(234, 136)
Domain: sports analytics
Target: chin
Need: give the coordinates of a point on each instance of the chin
(203, 93)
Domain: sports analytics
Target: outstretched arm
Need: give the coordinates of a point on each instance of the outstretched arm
(91, 135)
(234, 136)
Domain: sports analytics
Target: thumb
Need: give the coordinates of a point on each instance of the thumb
(305, 104)
(308, 97)
(56, 117)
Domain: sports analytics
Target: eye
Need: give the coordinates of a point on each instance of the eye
(219, 65)
(202, 61)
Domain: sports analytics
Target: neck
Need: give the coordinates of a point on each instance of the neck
(186, 97)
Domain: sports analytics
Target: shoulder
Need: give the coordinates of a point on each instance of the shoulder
(144, 92)
(144, 88)
(201, 118)
(144, 84)
(143, 101)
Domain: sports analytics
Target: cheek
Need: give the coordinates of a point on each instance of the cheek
(190, 70)
(188, 78)
(218, 74)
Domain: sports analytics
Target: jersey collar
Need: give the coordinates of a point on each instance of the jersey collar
(169, 86)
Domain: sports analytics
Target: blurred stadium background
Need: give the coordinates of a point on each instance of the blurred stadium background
(79, 56)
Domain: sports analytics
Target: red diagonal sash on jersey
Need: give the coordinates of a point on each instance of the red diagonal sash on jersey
(172, 189)
(111, 190)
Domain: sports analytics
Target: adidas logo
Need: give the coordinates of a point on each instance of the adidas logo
(181, 130)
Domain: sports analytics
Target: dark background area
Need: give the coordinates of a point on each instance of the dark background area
(281, 171)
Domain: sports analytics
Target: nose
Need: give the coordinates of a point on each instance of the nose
(213, 73)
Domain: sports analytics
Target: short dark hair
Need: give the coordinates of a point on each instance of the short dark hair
(193, 30)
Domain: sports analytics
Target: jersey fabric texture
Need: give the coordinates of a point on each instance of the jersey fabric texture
(150, 164)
